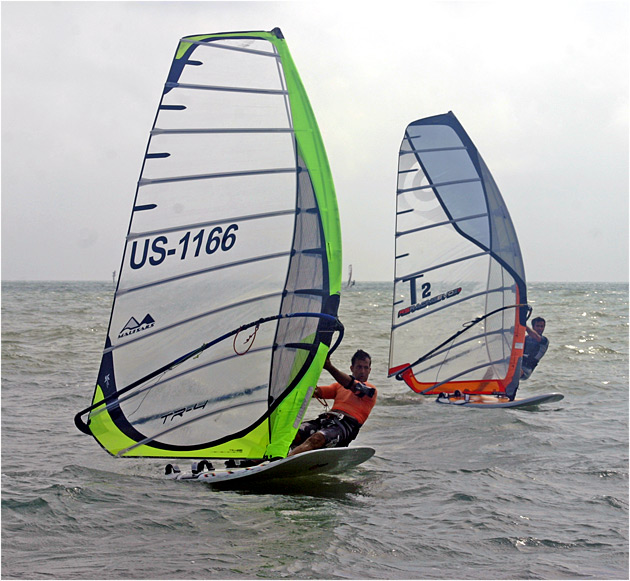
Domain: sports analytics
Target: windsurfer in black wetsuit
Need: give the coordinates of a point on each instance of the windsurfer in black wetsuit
(535, 347)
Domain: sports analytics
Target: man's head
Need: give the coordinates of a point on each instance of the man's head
(361, 365)
(538, 324)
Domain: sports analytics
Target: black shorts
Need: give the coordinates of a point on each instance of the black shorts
(337, 428)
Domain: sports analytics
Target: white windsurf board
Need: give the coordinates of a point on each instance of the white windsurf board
(493, 401)
(323, 461)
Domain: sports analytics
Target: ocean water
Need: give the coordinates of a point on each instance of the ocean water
(450, 493)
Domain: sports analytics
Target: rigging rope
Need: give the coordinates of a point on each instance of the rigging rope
(252, 337)
(323, 402)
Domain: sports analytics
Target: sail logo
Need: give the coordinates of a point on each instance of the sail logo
(428, 302)
(132, 326)
(180, 412)
(192, 245)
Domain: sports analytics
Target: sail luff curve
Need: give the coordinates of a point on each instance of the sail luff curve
(234, 234)
(460, 301)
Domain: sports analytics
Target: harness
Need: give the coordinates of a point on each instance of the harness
(534, 352)
(347, 424)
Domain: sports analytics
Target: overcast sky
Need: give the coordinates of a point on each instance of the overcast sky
(542, 89)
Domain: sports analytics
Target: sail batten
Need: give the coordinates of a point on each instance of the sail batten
(184, 322)
(437, 185)
(210, 269)
(226, 89)
(430, 150)
(420, 273)
(229, 285)
(172, 379)
(433, 310)
(208, 224)
(183, 424)
(226, 130)
(460, 300)
(444, 223)
(183, 178)
(217, 44)
(458, 344)
(439, 384)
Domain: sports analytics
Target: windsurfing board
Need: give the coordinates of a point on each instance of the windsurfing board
(304, 465)
(494, 401)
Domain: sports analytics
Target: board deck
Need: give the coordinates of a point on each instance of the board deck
(493, 401)
(324, 461)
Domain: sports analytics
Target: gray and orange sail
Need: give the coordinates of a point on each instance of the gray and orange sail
(460, 297)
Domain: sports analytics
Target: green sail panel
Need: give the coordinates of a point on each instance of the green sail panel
(234, 222)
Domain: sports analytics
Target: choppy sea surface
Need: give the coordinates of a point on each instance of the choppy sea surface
(450, 494)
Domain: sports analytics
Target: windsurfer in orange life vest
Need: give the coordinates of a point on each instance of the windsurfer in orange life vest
(354, 399)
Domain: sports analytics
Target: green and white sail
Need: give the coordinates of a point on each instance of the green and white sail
(229, 284)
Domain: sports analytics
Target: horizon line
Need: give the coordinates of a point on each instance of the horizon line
(3, 280)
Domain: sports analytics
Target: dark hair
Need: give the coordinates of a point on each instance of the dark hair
(360, 354)
(538, 320)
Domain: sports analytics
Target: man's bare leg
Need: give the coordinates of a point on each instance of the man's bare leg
(317, 440)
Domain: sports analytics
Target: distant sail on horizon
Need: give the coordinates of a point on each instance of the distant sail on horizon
(350, 279)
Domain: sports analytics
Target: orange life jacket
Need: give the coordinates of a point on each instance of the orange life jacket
(347, 402)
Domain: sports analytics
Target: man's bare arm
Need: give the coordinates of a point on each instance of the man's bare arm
(340, 377)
